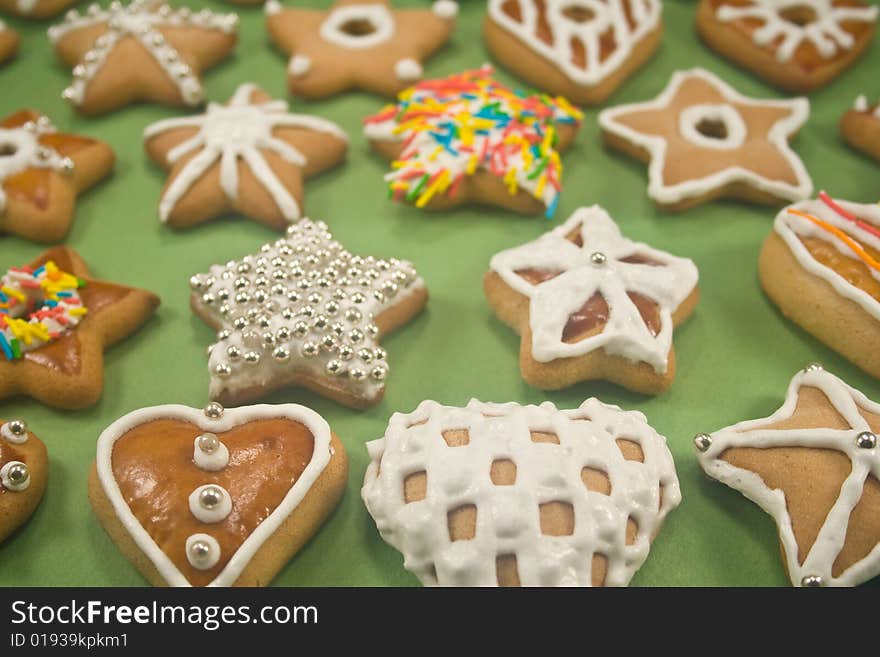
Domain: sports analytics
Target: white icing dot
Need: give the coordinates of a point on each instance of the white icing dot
(861, 104)
(408, 70)
(212, 515)
(195, 545)
(8, 434)
(445, 9)
(299, 65)
(7, 483)
(210, 461)
(273, 7)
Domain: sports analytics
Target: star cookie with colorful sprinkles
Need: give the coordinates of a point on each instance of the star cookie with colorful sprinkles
(860, 127)
(357, 44)
(41, 173)
(143, 51)
(248, 156)
(468, 138)
(9, 40)
(304, 311)
(56, 321)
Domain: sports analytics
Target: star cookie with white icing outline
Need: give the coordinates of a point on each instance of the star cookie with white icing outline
(42, 171)
(304, 311)
(216, 497)
(68, 372)
(592, 304)
(511, 495)
(814, 466)
(144, 51)
(797, 45)
(703, 140)
(249, 156)
(24, 470)
(860, 127)
(358, 44)
(35, 8)
(9, 41)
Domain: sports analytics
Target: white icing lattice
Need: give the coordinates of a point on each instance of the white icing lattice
(238, 130)
(848, 402)
(553, 302)
(605, 16)
(826, 32)
(507, 516)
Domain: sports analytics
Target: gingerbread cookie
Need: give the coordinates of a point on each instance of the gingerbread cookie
(703, 140)
(357, 44)
(41, 173)
(798, 45)
(860, 127)
(580, 49)
(813, 467)
(303, 311)
(35, 8)
(468, 138)
(821, 266)
(249, 156)
(56, 321)
(8, 43)
(24, 469)
(510, 495)
(591, 304)
(142, 51)
(216, 497)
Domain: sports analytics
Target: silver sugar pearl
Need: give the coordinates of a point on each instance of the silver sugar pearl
(222, 370)
(210, 497)
(365, 355)
(282, 334)
(813, 367)
(214, 410)
(357, 374)
(866, 440)
(199, 551)
(379, 373)
(353, 315)
(309, 349)
(252, 358)
(346, 352)
(598, 258)
(703, 441)
(328, 343)
(356, 335)
(240, 323)
(17, 427)
(281, 354)
(208, 443)
(333, 367)
(233, 352)
(18, 474)
(380, 353)
(812, 581)
(300, 329)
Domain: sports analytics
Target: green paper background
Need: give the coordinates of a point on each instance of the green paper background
(735, 355)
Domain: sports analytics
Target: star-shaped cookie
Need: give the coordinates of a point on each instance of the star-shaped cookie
(142, 51)
(813, 465)
(304, 311)
(704, 140)
(592, 304)
(361, 44)
(249, 156)
(41, 173)
(8, 43)
(35, 8)
(59, 361)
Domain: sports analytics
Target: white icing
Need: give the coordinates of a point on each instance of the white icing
(142, 20)
(553, 302)
(210, 461)
(849, 403)
(445, 9)
(727, 115)
(20, 149)
(507, 516)
(791, 227)
(376, 15)
(6, 483)
(26, 6)
(210, 516)
(279, 282)
(777, 136)
(408, 70)
(826, 32)
(238, 130)
(607, 15)
(213, 551)
(299, 66)
(7, 434)
(861, 105)
(231, 418)
(272, 7)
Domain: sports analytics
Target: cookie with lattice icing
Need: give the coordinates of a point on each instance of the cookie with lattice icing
(248, 156)
(821, 265)
(24, 470)
(703, 140)
(143, 51)
(813, 466)
(797, 45)
(510, 495)
(8, 43)
(35, 8)
(860, 127)
(357, 44)
(589, 304)
(304, 311)
(42, 171)
(580, 49)
(219, 497)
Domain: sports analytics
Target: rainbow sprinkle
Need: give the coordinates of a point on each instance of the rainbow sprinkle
(37, 306)
(451, 127)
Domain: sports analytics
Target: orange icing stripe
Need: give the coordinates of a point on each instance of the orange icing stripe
(863, 255)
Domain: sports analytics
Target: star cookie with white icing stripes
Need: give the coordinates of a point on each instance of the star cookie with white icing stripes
(9, 40)
(249, 156)
(144, 51)
(358, 44)
(592, 304)
(703, 140)
(24, 470)
(814, 466)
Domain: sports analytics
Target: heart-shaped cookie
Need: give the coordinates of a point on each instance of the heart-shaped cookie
(24, 466)
(216, 497)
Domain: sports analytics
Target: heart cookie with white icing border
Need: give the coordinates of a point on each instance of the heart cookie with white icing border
(24, 467)
(216, 497)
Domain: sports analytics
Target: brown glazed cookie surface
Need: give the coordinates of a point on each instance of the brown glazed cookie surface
(860, 127)
(9, 41)
(24, 469)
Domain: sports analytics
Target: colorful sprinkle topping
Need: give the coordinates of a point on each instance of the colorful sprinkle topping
(453, 126)
(37, 306)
